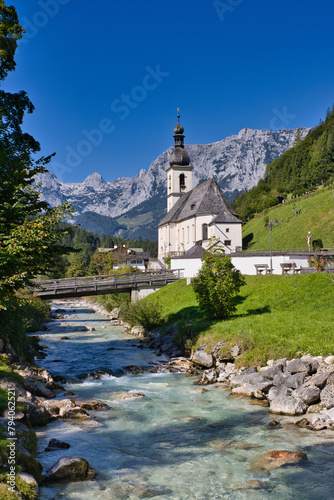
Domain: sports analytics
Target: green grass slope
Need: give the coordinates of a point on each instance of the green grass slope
(316, 215)
(276, 316)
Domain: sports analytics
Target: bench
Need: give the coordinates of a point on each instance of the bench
(262, 269)
(289, 266)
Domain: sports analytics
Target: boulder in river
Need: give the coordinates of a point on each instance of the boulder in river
(56, 444)
(92, 405)
(97, 374)
(128, 395)
(251, 484)
(69, 469)
(38, 415)
(278, 458)
(75, 412)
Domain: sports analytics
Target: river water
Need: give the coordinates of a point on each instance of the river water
(178, 442)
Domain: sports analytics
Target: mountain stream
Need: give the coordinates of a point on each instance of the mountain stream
(178, 441)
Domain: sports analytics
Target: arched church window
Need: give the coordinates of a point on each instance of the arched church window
(204, 232)
(182, 182)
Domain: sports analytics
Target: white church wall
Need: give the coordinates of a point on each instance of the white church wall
(229, 231)
(190, 266)
(245, 264)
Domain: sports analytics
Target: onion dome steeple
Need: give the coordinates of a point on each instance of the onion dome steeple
(179, 156)
(178, 130)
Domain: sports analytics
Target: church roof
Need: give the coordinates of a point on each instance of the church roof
(204, 199)
(194, 252)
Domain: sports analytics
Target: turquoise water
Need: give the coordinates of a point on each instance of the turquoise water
(178, 441)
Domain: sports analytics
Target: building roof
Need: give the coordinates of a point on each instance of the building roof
(137, 256)
(194, 252)
(223, 217)
(205, 199)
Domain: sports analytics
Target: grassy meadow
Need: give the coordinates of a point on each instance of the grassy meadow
(276, 316)
(316, 215)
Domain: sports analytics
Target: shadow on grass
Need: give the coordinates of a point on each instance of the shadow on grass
(195, 317)
(252, 312)
(258, 311)
(247, 240)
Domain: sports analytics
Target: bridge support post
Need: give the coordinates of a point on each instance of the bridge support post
(140, 293)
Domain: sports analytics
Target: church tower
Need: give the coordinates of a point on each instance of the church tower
(179, 172)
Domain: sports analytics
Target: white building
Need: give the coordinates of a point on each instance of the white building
(194, 215)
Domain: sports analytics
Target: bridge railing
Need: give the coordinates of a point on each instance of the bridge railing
(108, 280)
(160, 272)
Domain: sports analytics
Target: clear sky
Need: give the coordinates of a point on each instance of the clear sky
(106, 77)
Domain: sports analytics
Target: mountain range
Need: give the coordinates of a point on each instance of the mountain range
(133, 206)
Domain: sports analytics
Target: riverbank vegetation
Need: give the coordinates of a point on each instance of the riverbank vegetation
(24, 313)
(275, 316)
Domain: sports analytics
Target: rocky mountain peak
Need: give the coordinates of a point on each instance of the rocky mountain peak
(237, 163)
(94, 180)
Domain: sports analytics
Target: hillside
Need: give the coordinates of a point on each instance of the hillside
(316, 215)
(308, 164)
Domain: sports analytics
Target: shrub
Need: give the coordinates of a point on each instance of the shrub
(168, 260)
(24, 313)
(112, 300)
(317, 245)
(218, 281)
(319, 262)
(145, 313)
(186, 336)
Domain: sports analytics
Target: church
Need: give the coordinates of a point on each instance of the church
(194, 215)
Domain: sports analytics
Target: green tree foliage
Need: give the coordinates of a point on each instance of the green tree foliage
(91, 262)
(255, 200)
(29, 231)
(77, 266)
(218, 281)
(101, 263)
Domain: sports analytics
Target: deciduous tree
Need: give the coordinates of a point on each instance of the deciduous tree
(218, 281)
(29, 228)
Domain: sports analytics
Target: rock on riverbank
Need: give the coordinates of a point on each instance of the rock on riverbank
(294, 387)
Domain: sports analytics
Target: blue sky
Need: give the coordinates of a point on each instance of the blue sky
(106, 77)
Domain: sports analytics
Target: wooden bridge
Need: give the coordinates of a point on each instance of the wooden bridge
(99, 285)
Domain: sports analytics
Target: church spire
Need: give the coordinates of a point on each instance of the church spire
(179, 172)
(178, 131)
